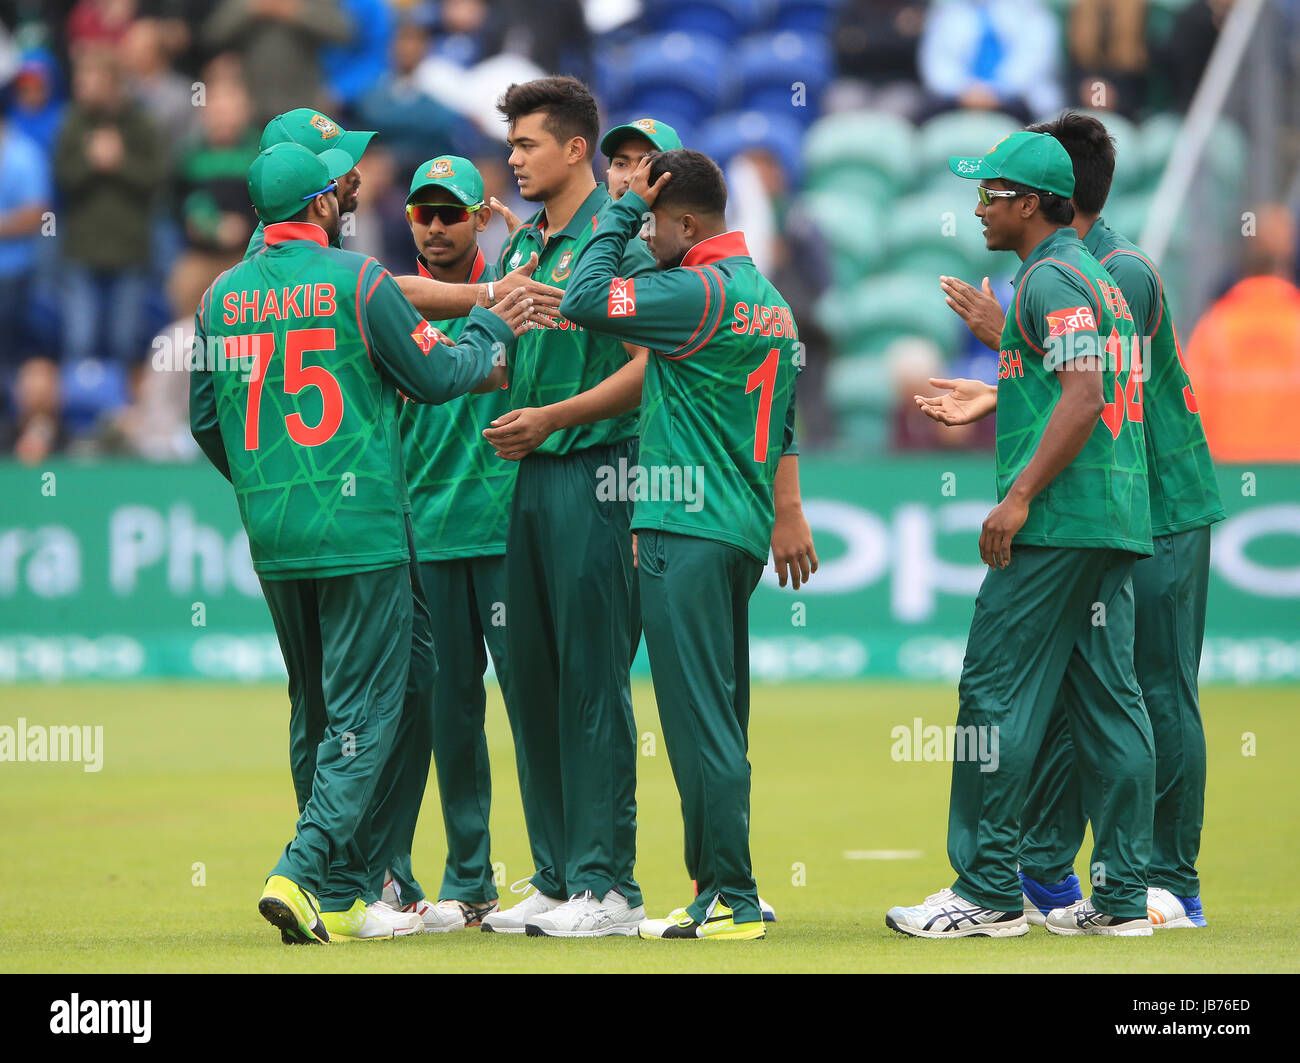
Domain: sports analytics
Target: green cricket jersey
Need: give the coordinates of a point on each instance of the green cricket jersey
(460, 490)
(719, 386)
(556, 363)
(1184, 493)
(297, 403)
(1067, 306)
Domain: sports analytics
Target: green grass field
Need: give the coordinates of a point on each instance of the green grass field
(99, 867)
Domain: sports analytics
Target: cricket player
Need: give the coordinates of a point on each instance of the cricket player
(569, 557)
(1169, 588)
(433, 298)
(717, 396)
(297, 406)
(460, 495)
(1054, 618)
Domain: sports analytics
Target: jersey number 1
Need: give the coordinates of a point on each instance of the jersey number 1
(296, 377)
(763, 377)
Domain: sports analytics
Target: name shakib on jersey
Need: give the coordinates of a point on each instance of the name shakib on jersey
(762, 320)
(266, 304)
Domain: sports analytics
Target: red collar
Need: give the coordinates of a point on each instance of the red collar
(724, 245)
(281, 231)
(475, 270)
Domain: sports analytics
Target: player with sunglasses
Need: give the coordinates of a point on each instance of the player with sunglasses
(460, 497)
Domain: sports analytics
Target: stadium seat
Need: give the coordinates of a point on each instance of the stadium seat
(884, 307)
(723, 20)
(805, 16)
(958, 133)
(673, 72)
(783, 74)
(90, 388)
(726, 134)
(853, 231)
(861, 149)
(937, 234)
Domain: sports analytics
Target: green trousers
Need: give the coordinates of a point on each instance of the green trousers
(346, 642)
(1055, 626)
(384, 834)
(695, 607)
(1170, 590)
(568, 602)
(469, 621)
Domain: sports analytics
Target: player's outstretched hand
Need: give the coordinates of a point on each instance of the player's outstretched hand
(978, 307)
(517, 433)
(546, 300)
(508, 216)
(641, 182)
(1000, 527)
(515, 309)
(792, 548)
(966, 401)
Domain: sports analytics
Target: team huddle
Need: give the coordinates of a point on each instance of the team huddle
(422, 464)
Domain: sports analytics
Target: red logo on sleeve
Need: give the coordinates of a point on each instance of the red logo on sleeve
(1071, 319)
(622, 297)
(426, 336)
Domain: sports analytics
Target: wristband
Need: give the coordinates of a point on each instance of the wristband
(492, 294)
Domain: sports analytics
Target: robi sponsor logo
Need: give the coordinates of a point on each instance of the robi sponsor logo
(1071, 319)
(426, 336)
(622, 297)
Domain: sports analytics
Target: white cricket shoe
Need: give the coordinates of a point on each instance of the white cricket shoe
(1082, 918)
(512, 920)
(1168, 911)
(583, 916)
(945, 915)
(446, 916)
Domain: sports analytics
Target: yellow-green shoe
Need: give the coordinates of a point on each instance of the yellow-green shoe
(294, 911)
(719, 925)
(374, 922)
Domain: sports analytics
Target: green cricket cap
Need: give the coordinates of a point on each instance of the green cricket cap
(663, 136)
(458, 176)
(315, 131)
(284, 176)
(1034, 159)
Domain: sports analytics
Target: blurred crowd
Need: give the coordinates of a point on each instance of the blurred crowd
(127, 126)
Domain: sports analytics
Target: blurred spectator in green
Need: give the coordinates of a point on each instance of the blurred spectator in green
(412, 125)
(875, 44)
(25, 196)
(279, 44)
(212, 183)
(107, 165)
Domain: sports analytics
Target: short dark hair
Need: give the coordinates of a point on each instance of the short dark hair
(570, 108)
(697, 184)
(1056, 209)
(1092, 151)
